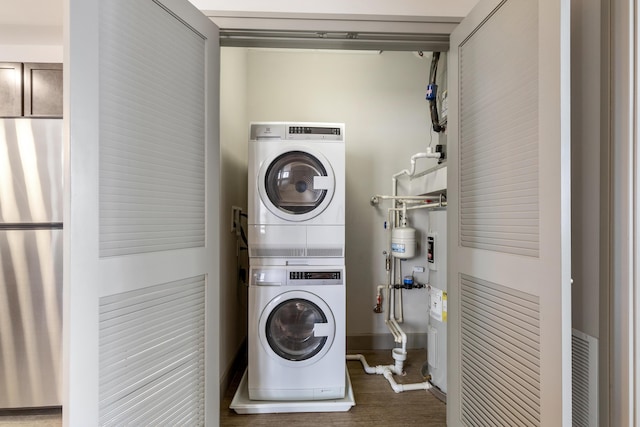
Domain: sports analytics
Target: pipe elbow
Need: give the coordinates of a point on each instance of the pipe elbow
(418, 156)
(394, 385)
(399, 174)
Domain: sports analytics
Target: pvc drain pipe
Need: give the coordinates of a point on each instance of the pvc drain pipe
(389, 370)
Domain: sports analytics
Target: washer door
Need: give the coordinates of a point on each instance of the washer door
(296, 185)
(297, 328)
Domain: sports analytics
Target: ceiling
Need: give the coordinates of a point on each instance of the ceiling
(40, 22)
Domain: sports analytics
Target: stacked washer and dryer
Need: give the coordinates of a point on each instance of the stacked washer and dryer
(297, 299)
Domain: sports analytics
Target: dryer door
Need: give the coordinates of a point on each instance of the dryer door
(297, 328)
(297, 185)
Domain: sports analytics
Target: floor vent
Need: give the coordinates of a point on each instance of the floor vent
(584, 361)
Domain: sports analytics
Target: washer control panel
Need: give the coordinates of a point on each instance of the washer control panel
(314, 275)
(296, 276)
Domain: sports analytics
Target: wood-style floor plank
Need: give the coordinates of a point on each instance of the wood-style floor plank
(376, 402)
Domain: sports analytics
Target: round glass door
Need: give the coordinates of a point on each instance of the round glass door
(290, 329)
(296, 185)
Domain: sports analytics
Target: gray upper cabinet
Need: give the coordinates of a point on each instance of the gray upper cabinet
(43, 90)
(30, 89)
(10, 89)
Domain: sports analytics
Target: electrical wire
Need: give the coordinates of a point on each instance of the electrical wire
(433, 104)
(242, 266)
(243, 234)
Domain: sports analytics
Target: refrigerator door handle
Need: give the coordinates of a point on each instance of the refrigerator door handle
(31, 226)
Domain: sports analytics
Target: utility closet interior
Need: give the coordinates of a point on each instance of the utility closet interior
(361, 89)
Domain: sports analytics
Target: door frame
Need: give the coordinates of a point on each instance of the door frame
(624, 225)
(615, 24)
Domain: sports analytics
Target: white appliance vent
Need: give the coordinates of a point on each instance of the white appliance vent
(584, 379)
(152, 136)
(264, 251)
(500, 355)
(499, 170)
(151, 367)
(325, 252)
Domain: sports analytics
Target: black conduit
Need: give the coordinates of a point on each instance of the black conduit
(433, 99)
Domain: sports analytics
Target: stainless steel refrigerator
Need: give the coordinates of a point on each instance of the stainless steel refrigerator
(31, 185)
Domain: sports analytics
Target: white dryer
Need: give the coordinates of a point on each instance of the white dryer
(296, 193)
(297, 333)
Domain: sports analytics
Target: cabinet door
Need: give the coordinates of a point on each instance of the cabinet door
(10, 89)
(142, 205)
(43, 89)
(509, 216)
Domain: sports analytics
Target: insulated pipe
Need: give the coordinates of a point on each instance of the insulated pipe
(400, 278)
(395, 331)
(401, 316)
(403, 336)
(409, 199)
(426, 205)
(392, 313)
(429, 205)
(389, 269)
(394, 179)
(388, 314)
(404, 215)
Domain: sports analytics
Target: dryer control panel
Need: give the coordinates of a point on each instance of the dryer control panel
(319, 131)
(297, 131)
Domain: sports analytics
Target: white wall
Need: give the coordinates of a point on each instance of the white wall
(31, 31)
(380, 97)
(233, 176)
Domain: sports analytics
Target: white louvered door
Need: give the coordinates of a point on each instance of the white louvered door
(509, 216)
(141, 219)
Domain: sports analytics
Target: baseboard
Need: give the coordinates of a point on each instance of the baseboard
(384, 342)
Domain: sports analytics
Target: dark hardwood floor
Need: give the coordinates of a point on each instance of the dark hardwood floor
(376, 402)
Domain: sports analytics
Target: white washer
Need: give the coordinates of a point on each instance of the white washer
(297, 333)
(296, 193)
